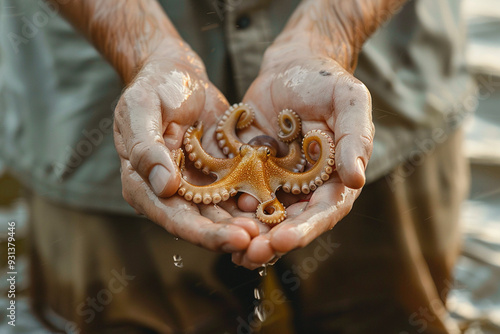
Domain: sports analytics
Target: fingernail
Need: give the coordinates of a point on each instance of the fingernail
(158, 178)
(361, 167)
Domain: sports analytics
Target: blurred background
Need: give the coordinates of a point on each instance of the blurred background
(475, 295)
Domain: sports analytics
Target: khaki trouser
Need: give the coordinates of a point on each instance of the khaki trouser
(386, 268)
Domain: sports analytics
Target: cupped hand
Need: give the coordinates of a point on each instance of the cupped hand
(326, 97)
(170, 93)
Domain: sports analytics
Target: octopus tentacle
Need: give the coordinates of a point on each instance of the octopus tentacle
(179, 159)
(238, 116)
(202, 160)
(290, 128)
(212, 193)
(290, 125)
(271, 212)
(294, 161)
(221, 190)
(314, 177)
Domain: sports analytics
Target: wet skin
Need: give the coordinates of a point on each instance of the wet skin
(308, 69)
(337, 104)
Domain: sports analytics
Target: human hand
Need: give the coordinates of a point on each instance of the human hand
(167, 91)
(170, 93)
(309, 69)
(327, 97)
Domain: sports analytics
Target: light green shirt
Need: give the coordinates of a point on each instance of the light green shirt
(57, 95)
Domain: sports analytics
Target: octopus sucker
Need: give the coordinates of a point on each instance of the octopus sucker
(207, 199)
(238, 116)
(271, 212)
(318, 181)
(216, 198)
(255, 168)
(197, 198)
(202, 160)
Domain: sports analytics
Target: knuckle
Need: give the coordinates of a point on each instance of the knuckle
(361, 89)
(139, 93)
(367, 138)
(140, 88)
(119, 114)
(361, 92)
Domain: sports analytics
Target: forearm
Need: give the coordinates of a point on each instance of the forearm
(124, 32)
(337, 28)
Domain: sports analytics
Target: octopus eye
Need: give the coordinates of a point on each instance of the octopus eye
(268, 152)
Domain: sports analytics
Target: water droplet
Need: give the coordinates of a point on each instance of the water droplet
(175, 238)
(273, 261)
(259, 313)
(178, 261)
(258, 293)
(263, 270)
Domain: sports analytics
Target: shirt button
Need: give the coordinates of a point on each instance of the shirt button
(243, 22)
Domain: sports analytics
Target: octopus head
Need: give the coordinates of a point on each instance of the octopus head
(263, 152)
(255, 152)
(267, 141)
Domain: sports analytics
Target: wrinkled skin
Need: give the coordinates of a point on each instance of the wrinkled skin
(308, 69)
(164, 99)
(328, 98)
(170, 93)
(151, 120)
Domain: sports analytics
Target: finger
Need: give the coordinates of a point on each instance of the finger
(237, 257)
(354, 130)
(259, 251)
(319, 216)
(248, 224)
(240, 260)
(220, 216)
(139, 139)
(233, 209)
(247, 203)
(179, 217)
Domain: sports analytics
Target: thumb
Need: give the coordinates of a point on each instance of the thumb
(138, 131)
(352, 124)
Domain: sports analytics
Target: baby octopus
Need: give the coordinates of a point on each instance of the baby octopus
(254, 168)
